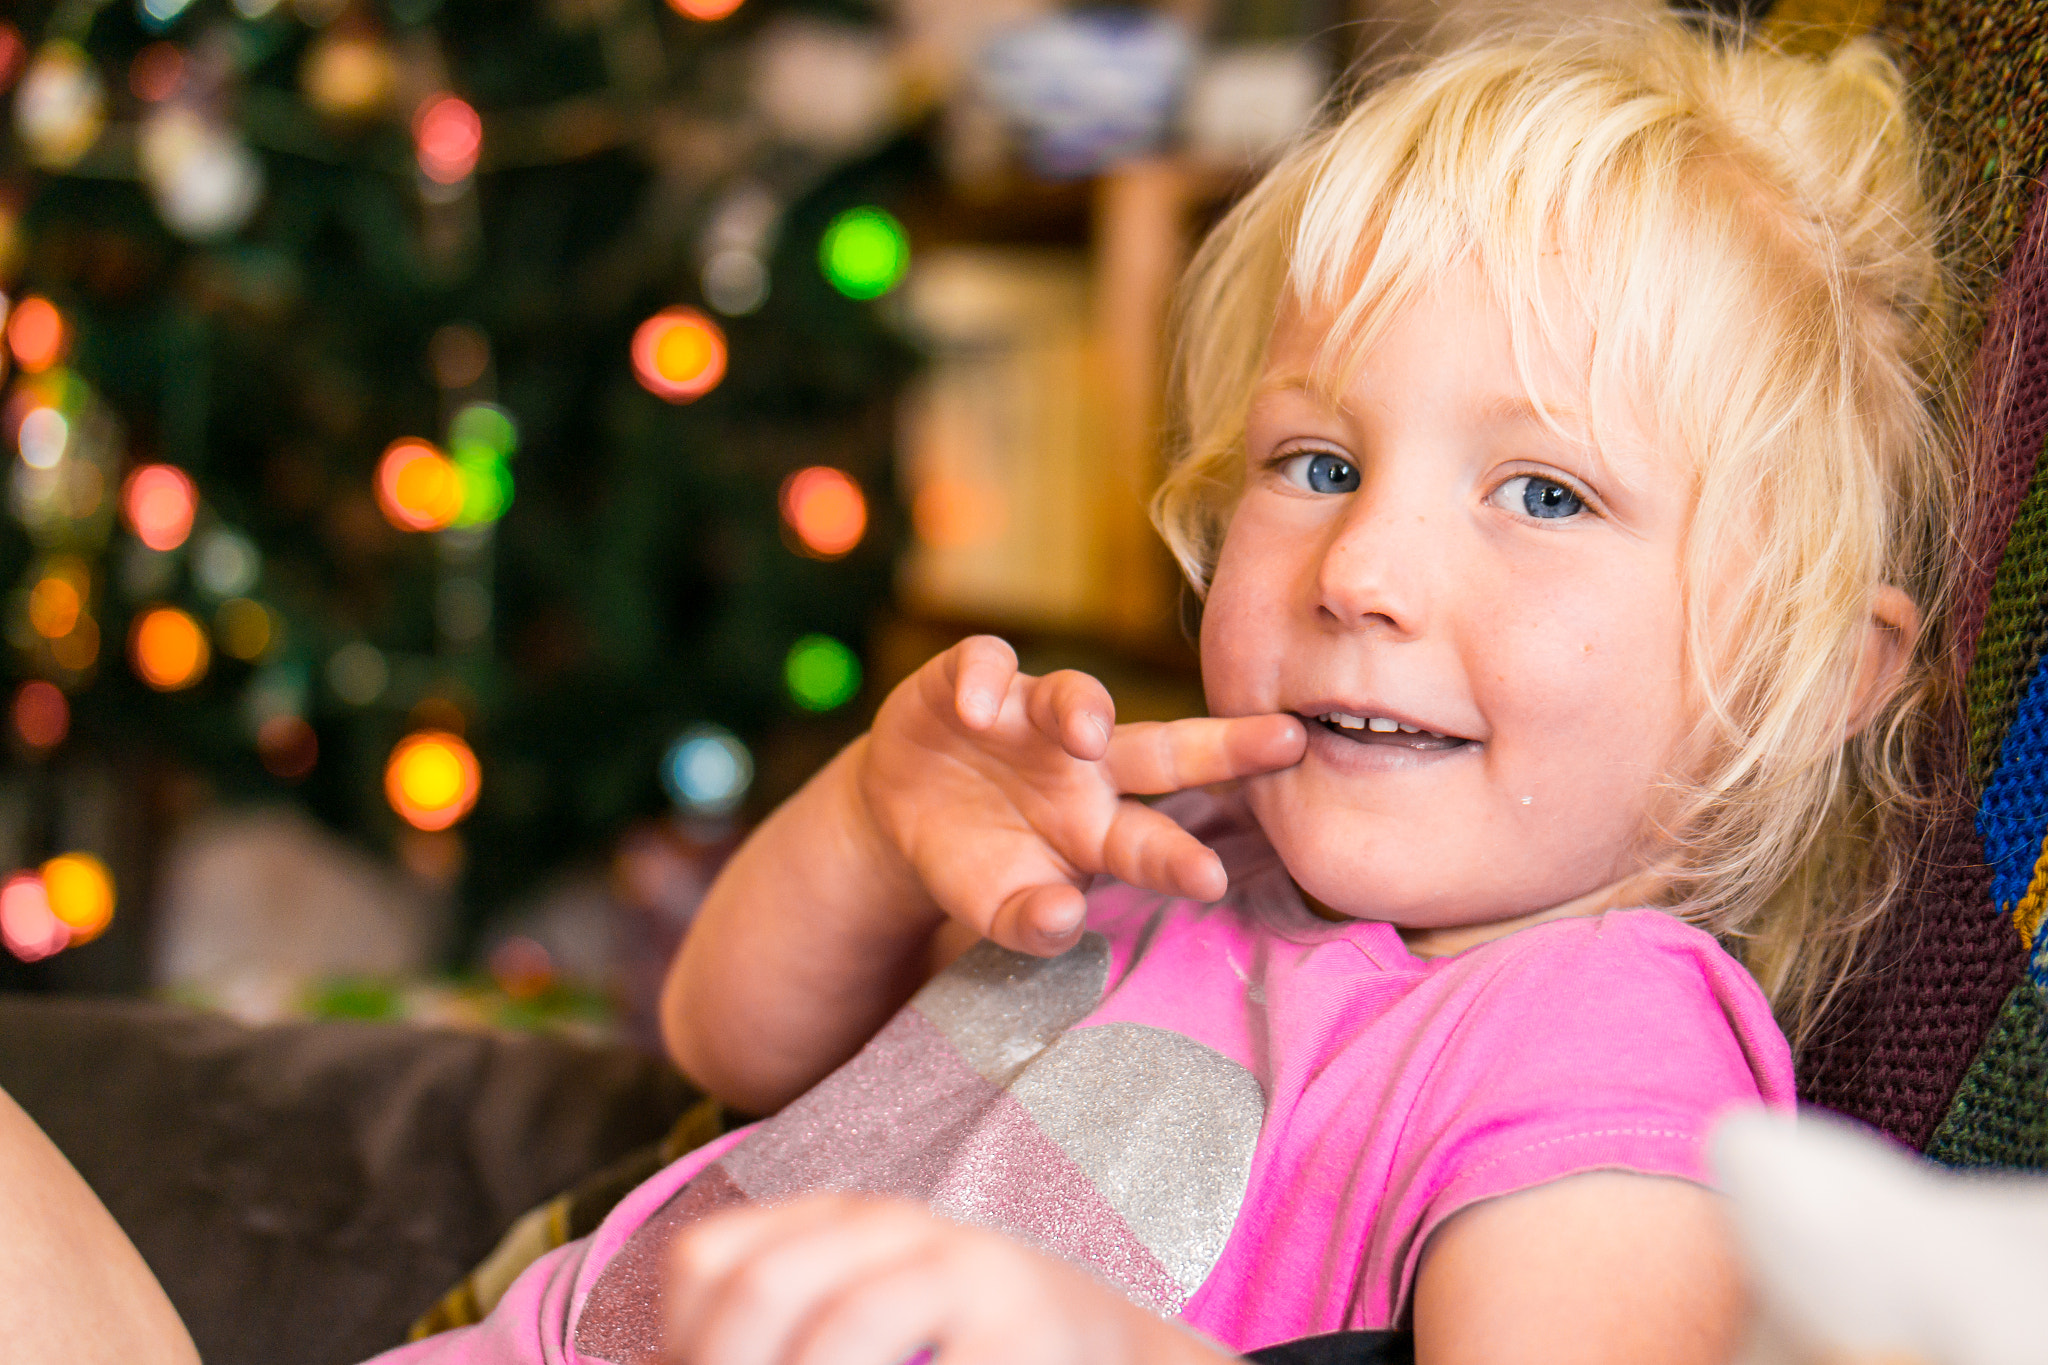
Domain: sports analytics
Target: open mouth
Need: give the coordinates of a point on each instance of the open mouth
(1385, 731)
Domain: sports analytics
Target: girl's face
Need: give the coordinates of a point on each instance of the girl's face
(1479, 621)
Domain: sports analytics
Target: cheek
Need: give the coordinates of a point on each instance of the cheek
(1239, 618)
(1596, 673)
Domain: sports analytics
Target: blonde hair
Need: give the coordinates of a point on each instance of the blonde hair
(1749, 242)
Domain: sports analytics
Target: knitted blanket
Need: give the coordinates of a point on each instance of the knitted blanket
(1944, 1042)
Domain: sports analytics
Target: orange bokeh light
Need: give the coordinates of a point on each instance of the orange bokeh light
(449, 135)
(53, 607)
(679, 354)
(42, 717)
(80, 892)
(35, 333)
(432, 779)
(704, 10)
(825, 508)
(168, 649)
(418, 488)
(158, 502)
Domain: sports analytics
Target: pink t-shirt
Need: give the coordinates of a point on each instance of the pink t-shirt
(1240, 1114)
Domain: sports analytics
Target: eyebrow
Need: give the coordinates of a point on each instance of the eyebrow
(1518, 407)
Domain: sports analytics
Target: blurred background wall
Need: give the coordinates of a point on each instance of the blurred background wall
(470, 457)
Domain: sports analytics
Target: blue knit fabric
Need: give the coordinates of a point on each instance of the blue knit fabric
(2014, 813)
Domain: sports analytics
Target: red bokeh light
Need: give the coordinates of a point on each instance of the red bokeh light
(418, 489)
(42, 717)
(704, 11)
(288, 747)
(158, 502)
(825, 509)
(449, 136)
(35, 333)
(157, 73)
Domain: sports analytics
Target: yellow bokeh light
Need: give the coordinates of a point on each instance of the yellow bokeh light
(168, 649)
(432, 779)
(81, 893)
(244, 628)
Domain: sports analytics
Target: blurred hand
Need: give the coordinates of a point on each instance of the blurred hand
(843, 1279)
(1006, 793)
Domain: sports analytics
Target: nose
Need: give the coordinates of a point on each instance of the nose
(1373, 574)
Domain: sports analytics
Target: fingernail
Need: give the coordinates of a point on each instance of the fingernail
(1100, 728)
(976, 706)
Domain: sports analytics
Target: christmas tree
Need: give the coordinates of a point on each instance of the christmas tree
(468, 419)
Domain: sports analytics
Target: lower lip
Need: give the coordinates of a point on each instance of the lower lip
(1357, 756)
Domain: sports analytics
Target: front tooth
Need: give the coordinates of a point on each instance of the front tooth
(1408, 729)
(1343, 721)
(1380, 725)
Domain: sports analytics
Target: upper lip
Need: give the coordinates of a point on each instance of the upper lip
(1371, 710)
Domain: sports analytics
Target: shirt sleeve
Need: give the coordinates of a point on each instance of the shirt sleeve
(1611, 1043)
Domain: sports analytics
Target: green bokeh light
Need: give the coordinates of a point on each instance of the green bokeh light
(822, 674)
(486, 486)
(864, 253)
(484, 427)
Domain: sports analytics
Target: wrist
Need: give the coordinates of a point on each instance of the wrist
(901, 892)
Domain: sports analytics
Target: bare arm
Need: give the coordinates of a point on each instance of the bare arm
(72, 1286)
(979, 805)
(1605, 1268)
(813, 934)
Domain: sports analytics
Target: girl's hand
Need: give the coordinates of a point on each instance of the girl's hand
(1005, 793)
(841, 1279)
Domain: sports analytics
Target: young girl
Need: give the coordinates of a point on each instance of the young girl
(1560, 478)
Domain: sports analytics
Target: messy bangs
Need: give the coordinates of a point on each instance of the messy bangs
(1737, 248)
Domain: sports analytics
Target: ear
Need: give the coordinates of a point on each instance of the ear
(1889, 637)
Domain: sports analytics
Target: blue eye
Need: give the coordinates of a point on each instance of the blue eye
(1322, 472)
(1544, 499)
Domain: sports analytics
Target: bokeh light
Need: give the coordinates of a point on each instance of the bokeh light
(35, 334)
(704, 11)
(287, 747)
(822, 674)
(30, 929)
(226, 563)
(168, 649)
(244, 628)
(707, 770)
(679, 354)
(357, 672)
(78, 650)
(458, 354)
(418, 489)
(54, 605)
(158, 502)
(157, 73)
(865, 252)
(449, 136)
(522, 967)
(825, 509)
(44, 434)
(80, 892)
(42, 717)
(486, 427)
(432, 779)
